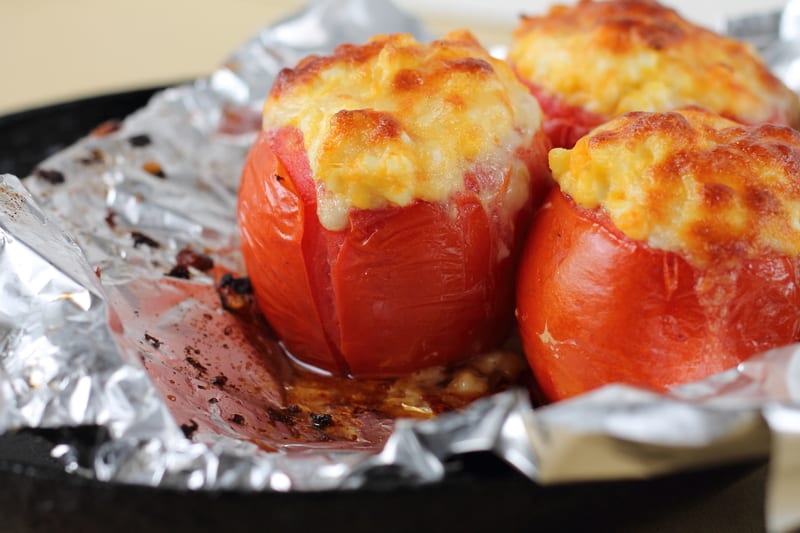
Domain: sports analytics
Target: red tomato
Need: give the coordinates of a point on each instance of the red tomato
(596, 307)
(563, 123)
(400, 289)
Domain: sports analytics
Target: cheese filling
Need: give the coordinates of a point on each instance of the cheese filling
(690, 182)
(613, 57)
(395, 121)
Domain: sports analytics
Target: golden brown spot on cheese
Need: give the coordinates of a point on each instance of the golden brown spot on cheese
(717, 194)
(367, 125)
(632, 27)
(613, 57)
(394, 121)
(471, 64)
(407, 80)
(690, 182)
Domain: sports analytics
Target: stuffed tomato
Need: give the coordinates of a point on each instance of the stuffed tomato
(383, 205)
(669, 252)
(595, 60)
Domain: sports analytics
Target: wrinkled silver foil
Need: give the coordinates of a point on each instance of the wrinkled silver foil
(78, 294)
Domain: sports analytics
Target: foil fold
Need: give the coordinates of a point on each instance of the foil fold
(77, 253)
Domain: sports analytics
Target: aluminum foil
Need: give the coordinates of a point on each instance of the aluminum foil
(94, 334)
(782, 50)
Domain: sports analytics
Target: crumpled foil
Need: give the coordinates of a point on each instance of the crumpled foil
(83, 252)
(782, 51)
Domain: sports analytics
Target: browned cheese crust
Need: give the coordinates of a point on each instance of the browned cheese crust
(394, 121)
(691, 182)
(612, 57)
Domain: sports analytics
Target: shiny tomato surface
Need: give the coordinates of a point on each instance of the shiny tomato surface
(399, 289)
(595, 307)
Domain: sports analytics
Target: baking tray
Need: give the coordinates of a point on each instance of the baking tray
(478, 493)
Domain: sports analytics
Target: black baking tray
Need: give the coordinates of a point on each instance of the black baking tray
(478, 493)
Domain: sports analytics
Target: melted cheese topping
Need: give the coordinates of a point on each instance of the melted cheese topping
(394, 121)
(690, 182)
(619, 56)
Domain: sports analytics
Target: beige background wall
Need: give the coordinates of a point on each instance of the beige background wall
(51, 50)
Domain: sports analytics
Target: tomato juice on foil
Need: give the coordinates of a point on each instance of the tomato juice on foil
(124, 306)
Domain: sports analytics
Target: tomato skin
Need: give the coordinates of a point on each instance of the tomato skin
(563, 123)
(401, 288)
(274, 259)
(596, 307)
